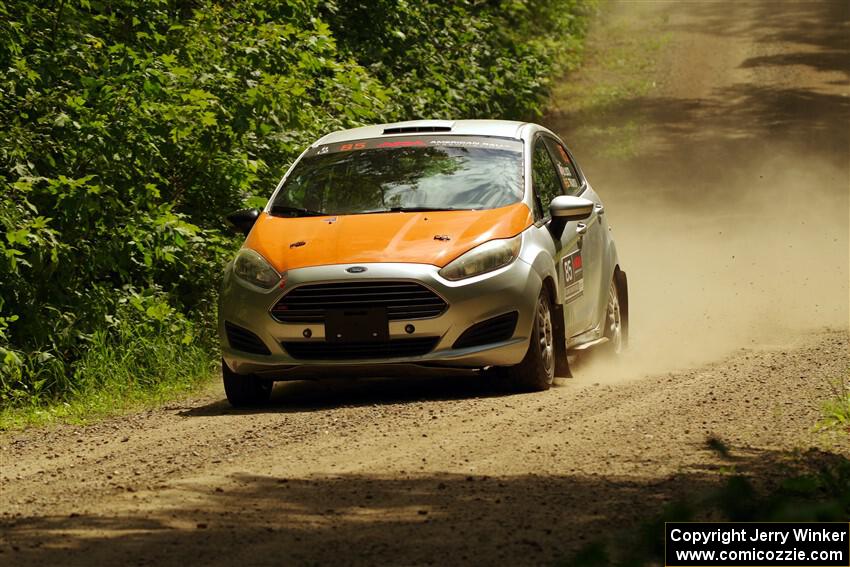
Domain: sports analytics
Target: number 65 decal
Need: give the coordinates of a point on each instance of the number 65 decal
(573, 276)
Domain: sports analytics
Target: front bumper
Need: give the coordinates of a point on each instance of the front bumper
(512, 288)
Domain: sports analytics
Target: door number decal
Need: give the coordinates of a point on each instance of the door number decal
(573, 276)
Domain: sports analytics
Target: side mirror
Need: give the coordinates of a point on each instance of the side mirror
(565, 208)
(243, 220)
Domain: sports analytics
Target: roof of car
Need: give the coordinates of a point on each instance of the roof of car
(499, 128)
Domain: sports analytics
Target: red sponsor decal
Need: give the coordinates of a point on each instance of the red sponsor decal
(401, 144)
(576, 262)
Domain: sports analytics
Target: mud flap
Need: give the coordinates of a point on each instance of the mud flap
(623, 296)
(562, 365)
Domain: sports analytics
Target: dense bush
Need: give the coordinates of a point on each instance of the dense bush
(129, 127)
(461, 59)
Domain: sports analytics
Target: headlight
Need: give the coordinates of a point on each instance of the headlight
(254, 269)
(485, 258)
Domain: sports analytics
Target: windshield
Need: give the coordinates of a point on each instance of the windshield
(403, 174)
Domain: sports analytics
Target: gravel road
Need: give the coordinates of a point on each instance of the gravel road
(723, 156)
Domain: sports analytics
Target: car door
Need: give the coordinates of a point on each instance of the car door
(583, 311)
(547, 184)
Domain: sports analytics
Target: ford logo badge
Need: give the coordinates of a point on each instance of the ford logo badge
(356, 269)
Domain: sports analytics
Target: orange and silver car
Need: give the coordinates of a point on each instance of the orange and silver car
(428, 245)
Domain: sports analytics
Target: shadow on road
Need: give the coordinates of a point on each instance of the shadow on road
(758, 138)
(356, 519)
(708, 149)
(318, 395)
(819, 26)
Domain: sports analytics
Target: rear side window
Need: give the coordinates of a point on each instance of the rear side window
(566, 169)
(544, 177)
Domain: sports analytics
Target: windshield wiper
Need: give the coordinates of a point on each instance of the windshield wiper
(414, 210)
(295, 211)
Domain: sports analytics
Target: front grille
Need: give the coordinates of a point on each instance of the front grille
(244, 340)
(493, 330)
(402, 300)
(395, 348)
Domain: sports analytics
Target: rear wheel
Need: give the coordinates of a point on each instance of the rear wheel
(537, 370)
(245, 390)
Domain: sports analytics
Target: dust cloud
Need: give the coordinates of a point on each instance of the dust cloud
(724, 165)
(758, 267)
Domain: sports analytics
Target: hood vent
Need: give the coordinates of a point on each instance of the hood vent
(416, 129)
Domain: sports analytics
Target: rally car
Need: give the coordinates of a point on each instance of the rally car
(474, 245)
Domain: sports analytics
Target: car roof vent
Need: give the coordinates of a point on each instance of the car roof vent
(416, 129)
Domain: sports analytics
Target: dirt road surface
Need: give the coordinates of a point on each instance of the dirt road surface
(717, 133)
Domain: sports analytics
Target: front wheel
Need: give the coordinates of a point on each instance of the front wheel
(537, 370)
(616, 321)
(245, 390)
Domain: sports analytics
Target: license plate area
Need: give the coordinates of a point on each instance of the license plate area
(357, 325)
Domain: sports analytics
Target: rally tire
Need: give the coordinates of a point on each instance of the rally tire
(536, 372)
(615, 324)
(245, 390)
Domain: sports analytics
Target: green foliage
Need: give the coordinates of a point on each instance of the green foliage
(128, 128)
(123, 367)
(463, 59)
(836, 410)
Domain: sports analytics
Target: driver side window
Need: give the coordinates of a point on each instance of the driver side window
(544, 177)
(566, 168)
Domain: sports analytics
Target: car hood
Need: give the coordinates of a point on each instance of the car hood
(436, 237)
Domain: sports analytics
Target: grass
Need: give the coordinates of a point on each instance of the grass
(136, 370)
(619, 66)
(836, 410)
